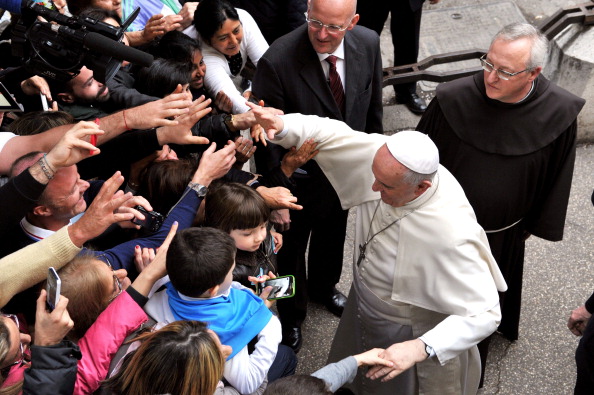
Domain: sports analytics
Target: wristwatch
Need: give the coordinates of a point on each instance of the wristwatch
(428, 350)
(200, 189)
(228, 120)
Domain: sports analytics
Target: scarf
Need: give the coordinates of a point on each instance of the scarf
(236, 318)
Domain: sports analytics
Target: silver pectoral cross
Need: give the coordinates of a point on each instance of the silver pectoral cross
(362, 248)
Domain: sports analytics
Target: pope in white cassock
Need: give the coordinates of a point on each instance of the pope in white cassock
(425, 283)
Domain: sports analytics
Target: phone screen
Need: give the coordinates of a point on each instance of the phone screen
(53, 289)
(282, 287)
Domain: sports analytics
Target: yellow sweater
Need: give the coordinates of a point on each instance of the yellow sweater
(28, 266)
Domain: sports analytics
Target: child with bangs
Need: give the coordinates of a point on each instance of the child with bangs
(242, 213)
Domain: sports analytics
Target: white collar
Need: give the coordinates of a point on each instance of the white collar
(339, 53)
(35, 232)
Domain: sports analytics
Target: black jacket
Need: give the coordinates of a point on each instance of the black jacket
(53, 369)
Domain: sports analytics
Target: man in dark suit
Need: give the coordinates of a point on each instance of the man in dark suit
(405, 26)
(296, 76)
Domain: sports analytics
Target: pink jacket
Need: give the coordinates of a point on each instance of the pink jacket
(98, 346)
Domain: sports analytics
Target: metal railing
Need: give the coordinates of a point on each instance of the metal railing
(550, 27)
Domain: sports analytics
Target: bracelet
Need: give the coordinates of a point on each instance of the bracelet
(45, 167)
(125, 123)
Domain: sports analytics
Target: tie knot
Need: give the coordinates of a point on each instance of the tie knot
(332, 60)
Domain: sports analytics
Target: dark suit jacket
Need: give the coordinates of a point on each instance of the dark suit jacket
(289, 76)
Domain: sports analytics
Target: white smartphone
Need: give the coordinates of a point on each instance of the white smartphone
(43, 102)
(53, 289)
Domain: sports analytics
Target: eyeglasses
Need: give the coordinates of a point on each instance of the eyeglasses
(504, 75)
(21, 360)
(317, 25)
(116, 280)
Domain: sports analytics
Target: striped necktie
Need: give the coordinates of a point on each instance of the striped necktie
(336, 83)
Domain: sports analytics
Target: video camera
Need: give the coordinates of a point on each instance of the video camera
(59, 46)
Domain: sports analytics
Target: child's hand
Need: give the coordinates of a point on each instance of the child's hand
(262, 278)
(278, 240)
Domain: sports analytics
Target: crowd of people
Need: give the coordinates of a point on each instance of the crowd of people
(166, 196)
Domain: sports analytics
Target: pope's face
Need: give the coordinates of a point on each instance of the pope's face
(389, 180)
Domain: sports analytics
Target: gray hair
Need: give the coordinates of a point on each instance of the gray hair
(413, 178)
(540, 44)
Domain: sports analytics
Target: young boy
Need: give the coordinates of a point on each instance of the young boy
(200, 264)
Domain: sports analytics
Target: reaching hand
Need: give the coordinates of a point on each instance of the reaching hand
(50, 328)
(244, 150)
(268, 119)
(155, 268)
(296, 158)
(158, 25)
(372, 357)
(281, 219)
(128, 207)
(187, 14)
(157, 113)
(578, 320)
(73, 146)
(214, 164)
(182, 132)
(223, 102)
(102, 212)
(278, 197)
(403, 355)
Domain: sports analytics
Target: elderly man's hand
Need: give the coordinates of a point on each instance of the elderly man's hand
(267, 118)
(102, 212)
(404, 356)
(278, 197)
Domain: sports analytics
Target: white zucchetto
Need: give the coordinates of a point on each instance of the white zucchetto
(415, 150)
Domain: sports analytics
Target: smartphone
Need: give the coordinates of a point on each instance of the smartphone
(152, 219)
(282, 287)
(43, 102)
(53, 289)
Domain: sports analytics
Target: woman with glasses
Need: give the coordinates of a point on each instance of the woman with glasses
(46, 365)
(230, 36)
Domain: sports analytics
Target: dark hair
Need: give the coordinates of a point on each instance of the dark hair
(210, 16)
(77, 6)
(162, 183)
(231, 205)
(297, 385)
(101, 14)
(162, 77)
(176, 45)
(199, 259)
(35, 122)
(180, 358)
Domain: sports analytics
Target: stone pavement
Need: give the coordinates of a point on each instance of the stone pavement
(558, 276)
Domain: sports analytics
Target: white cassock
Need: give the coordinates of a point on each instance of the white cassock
(429, 274)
